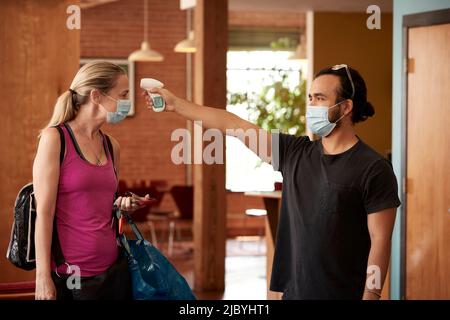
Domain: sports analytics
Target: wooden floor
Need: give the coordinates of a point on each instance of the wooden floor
(245, 269)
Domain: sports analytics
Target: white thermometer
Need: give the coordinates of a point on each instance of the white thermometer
(158, 101)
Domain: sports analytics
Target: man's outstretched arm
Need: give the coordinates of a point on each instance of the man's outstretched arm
(214, 118)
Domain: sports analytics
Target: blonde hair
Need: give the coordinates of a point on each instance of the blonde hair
(100, 75)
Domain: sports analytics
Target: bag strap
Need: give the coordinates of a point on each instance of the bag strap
(123, 239)
(140, 239)
(58, 256)
(116, 195)
(56, 245)
(111, 151)
(124, 242)
(63, 144)
(133, 226)
(74, 141)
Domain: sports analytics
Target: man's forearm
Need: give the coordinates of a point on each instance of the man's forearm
(229, 124)
(377, 267)
(213, 118)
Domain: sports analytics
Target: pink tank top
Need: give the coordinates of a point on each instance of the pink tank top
(84, 212)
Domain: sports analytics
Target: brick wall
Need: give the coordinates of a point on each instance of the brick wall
(114, 30)
(267, 19)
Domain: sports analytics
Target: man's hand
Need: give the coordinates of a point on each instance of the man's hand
(371, 295)
(168, 97)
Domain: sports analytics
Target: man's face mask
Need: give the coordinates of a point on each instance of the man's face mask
(123, 108)
(318, 121)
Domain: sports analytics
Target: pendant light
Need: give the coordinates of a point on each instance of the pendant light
(145, 53)
(187, 45)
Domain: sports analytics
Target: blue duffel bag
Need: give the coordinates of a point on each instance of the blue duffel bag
(153, 277)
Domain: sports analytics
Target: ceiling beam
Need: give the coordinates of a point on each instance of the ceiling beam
(86, 4)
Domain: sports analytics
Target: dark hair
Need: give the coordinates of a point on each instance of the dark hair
(362, 109)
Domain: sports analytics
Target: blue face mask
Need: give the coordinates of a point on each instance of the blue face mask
(123, 108)
(317, 119)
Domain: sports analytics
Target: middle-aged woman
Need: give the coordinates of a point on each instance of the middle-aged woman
(78, 193)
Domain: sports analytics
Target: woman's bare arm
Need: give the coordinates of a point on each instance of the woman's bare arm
(45, 181)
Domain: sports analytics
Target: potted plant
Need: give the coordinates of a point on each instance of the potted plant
(277, 106)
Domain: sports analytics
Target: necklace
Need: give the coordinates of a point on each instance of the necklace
(98, 159)
(99, 162)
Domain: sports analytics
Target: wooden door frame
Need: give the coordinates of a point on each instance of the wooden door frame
(410, 21)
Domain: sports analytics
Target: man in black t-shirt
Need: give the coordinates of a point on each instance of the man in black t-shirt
(339, 196)
(339, 199)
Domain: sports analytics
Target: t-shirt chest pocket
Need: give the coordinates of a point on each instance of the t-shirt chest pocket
(336, 199)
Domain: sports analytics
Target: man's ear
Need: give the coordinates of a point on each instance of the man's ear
(348, 106)
(94, 96)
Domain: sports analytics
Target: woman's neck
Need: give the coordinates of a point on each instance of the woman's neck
(87, 122)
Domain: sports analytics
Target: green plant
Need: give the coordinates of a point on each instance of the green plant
(284, 43)
(276, 107)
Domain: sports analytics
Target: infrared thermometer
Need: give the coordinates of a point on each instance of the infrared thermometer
(158, 101)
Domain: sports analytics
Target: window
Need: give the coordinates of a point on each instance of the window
(249, 71)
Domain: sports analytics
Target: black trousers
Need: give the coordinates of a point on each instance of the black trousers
(113, 284)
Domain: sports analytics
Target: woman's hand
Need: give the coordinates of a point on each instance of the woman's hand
(131, 203)
(45, 288)
(168, 97)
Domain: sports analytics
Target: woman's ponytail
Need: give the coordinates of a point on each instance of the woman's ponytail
(63, 110)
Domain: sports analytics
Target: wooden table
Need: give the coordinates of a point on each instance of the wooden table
(272, 203)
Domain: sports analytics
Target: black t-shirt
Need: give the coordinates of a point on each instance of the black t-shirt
(323, 242)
